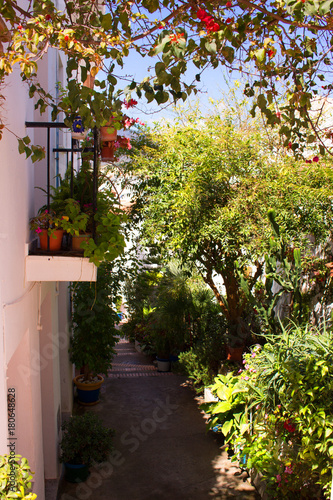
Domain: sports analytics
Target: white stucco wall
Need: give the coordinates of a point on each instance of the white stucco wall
(29, 322)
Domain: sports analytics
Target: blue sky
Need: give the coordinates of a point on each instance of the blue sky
(212, 85)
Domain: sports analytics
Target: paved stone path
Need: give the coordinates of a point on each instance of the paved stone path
(162, 451)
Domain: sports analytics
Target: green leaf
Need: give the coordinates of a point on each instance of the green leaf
(226, 427)
(21, 146)
(228, 54)
(260, 55)
(222, 407)
(107, 21)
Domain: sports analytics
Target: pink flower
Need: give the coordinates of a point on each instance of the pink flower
(288, 470)
(278, 478)
(38, 230)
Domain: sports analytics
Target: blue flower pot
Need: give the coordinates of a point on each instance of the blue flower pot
(76, 473)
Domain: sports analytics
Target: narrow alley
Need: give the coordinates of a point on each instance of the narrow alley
(162, 450)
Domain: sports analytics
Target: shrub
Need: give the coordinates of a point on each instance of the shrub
(283, 424)
(85, 440)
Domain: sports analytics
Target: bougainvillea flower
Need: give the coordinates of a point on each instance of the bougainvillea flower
(201, 14)
(289, 426)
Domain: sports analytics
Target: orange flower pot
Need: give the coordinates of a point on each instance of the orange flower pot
(77, 240)
(235, 353)
(55, 240)
(107, 152)
(108, 133)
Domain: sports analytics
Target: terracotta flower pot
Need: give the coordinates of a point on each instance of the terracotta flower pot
(108, 133)
(89, 82)
(77, 240)
(235, 353)
(107, 152)
(55, 240)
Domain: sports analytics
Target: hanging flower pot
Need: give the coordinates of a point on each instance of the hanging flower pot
(78, 130)
(108, 132)
(107, 151)
(89, 82)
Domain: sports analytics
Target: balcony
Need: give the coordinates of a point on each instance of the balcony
(63, 264)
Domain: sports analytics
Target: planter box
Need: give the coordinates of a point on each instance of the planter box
(52, 268)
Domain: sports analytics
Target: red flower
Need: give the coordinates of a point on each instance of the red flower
(308, 161)
(315, 158)
(290, 145)
(130, 103)
(228, 4)
(201, 14)
(47, 17)
(66, 38)
(289, 426)
(229, 20)
(20, 27)
(270, 53)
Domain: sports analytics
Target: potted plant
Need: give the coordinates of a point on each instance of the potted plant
(75, 202)
(85, 440)
(94, 333)
(15, 477)
(108, 132)
(47, 224)
(77, 223)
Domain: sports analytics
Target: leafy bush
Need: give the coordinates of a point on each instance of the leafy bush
(15, 478)
(193, 366)
(85, 440)
(94, 319)
(277, 413)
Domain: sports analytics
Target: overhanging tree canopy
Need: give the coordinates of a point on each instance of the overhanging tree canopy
(284, 46)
